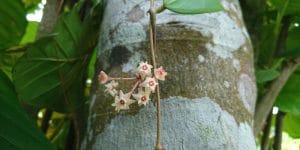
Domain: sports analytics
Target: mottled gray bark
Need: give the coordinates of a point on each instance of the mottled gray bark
(209, 95)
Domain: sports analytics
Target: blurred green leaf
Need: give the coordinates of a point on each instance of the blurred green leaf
(266, 75)
(17, 131)
(292, 52)
(291, 125)
(193, 6)
(60, 137)
(293, 6)
(52, 72)
(30, 34)
(12, 23)
(289, 97)
(92, 63)
(292, 48)
(264, 52)
(7, 61)
(31, 5)
(50, 68)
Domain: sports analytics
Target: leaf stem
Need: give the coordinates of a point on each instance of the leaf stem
(160, 9)
(135, 86)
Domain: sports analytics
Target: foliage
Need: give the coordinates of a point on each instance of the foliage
(266, 75)
(18, 131)
(275, 35)
(49, 72)
(52, 67)
(292, 125)
(12, 23)
(193, 6)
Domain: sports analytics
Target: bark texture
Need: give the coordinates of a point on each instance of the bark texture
(209, 95)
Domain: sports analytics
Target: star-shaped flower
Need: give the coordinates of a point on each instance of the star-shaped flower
(144, 69)
(160, 73)
(103, 77)
(142, 96)
(122, 101)
(149, 83)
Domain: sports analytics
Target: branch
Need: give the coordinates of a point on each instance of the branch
(278, 130)
(286, 21)
(267, 101)
(50, 15)
(45, 123)
(266, 133)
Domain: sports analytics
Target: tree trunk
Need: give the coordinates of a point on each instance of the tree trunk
(208, 97)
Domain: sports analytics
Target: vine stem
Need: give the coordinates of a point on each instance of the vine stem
(152, 33)
(121, 78)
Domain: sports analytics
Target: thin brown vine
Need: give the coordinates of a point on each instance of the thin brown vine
(152, 25)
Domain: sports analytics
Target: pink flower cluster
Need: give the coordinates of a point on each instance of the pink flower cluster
(145, 83)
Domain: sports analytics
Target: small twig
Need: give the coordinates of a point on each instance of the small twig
(17, 49)
(278, 130)
(265, 105)
(266, 133)
(135, 86)
(46, 119)
(77, 132)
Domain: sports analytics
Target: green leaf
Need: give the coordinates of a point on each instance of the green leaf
(12, 23)
(30, 33)
(292, 52)
(289, 97)
(52, 72)
(17, 131)
(91, 69)
(49, 69)
(31, 5)
(292, 8)
(292, 48)
(193, 6)
(266, 75)
(7, 61)
(291, 125)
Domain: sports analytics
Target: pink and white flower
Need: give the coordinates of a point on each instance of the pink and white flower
(103, 77)
(111, 88)
(160, 73)
(149, 83)
(142, 96)
(144, 69)
(122, 101)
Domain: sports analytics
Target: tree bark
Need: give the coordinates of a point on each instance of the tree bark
(209, 95)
